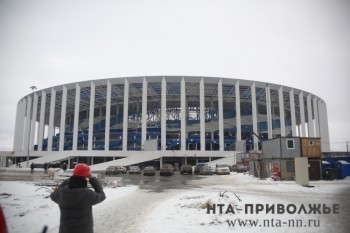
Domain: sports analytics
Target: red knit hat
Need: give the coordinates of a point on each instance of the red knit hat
(81, 169)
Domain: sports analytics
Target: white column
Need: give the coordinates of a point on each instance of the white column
(163, 115)
(144, 113)
(282, 116)
(91, 116)
(292, 113)
(221, 117)
(32, 132)
(310, 123)
(42, 121)
(108, 115)
(76, 117)
(317, 125)
(27, 122)
(51, 129)
(15, 136)
(238, 112)
(24, 110)
(255, 117)
(21, 118)
(63, 118)
(202, 114)
(125, 115)
(269, 115)
(16, 144)
(183, 114)
(302, 114)
(323, 120)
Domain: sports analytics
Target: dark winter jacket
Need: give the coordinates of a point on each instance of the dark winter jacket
(75, 201)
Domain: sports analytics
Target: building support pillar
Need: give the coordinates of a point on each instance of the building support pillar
(33, 129)
(282, 116)
(183, 114)
(144, 114)
(108, 115)
(91, 116)
(76, 117)
(201, 113)
(269, 115)
(292, 113)
(125, 115)
(221, 117)
(163, 115)
(63, 118)
(255, 118)
(310, 122)
(302, 115)
(27, 124)
(238, 113)
(17, 142)
(317, 125)
(51, 129)
(42, 121)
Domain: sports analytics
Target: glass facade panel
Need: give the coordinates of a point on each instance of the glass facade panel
(261, 112)
(192, 116)
(275, 114)
(134, 116)
(173, 121)
(154, 96)
(46, 121)
(99, 118)
(57, 121)
(306, 111)
(297, 109)
(68, 136)
(38, 112)
(211, 117)
(246, 116)
(229, 110)
(83, 128)
(287, 114)
(117, 115)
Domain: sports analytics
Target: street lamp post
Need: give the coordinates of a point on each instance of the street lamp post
(30, 123)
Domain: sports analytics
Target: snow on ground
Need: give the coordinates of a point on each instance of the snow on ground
(188, 212)
(27, 207)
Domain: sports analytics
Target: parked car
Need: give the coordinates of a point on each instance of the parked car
(213, 169)
(149, 171)
(121, 169)
(134, 170)
(111, 170)
(186, 169)
(166, 169)
(205, 170)
(198, 167)
(222, 168)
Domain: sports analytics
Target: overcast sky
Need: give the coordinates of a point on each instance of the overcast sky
(297, 43)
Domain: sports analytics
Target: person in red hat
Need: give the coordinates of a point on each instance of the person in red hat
(75, 200)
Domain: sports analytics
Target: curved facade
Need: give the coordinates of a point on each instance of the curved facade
(161, 113)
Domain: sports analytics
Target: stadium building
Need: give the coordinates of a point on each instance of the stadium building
(175, 119)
